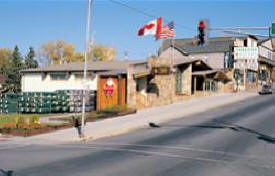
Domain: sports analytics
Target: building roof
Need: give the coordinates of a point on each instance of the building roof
(262, 41)
(219, 44)
(91, 66)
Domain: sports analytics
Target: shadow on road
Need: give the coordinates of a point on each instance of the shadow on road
(6, 173)
(259, 135)
(225, 125)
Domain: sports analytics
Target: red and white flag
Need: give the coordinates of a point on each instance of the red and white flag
(151, 28)
(167, 31)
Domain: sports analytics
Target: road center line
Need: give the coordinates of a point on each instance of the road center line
(162, 154)
(179, 148)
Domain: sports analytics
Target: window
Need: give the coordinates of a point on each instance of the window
(228, 61)
(178, 81)
(59, 76)
(79, 77)
(251, 77)
(269, 55)
(44, 76)
(141, 85)
(264, 75)
(245, 42)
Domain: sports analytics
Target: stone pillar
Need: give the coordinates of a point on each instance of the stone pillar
(131, 88)
(187, 80)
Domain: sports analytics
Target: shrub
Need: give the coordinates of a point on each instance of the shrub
(7, 119)
(20, 119)
(23, 126)
(10, 125)
(35, 126)
(115, 109)
(34, 119)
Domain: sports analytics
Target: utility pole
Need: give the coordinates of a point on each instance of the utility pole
(85, 65)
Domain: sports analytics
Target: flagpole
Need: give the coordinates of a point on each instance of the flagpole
(173, 54)
(85, 66)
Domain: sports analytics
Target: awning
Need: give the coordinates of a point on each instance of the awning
(218, 75)
(205, 72)
(141, 74)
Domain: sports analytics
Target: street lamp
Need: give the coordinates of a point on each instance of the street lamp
(85, 65)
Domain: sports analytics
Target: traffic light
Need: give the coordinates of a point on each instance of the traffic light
(201, 28)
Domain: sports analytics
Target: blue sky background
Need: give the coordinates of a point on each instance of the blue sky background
(33, 22)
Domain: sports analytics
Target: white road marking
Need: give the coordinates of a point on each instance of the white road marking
(13, 146)
(163, 154)
(181, 148)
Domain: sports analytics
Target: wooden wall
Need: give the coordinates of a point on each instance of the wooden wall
(118, 96)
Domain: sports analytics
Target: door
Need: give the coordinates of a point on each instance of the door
(111, 91)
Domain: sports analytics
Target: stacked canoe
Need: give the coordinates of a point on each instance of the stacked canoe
(76, 100)
(9, 103)
(37, 102)
(60, 101)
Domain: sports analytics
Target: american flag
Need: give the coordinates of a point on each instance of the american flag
(167, 31)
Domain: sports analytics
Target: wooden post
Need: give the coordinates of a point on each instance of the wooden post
(210, 86)
(204, 87)
(119, 89)
(98, 93)
(195, 85)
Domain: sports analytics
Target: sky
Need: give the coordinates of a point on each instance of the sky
(33, 22)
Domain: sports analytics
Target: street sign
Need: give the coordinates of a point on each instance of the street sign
(273, 29)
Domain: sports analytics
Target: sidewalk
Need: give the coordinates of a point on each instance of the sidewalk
(124, 124)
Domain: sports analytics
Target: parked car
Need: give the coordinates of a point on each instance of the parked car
(268, 89)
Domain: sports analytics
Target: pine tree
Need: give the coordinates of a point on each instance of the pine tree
(17, 60)
(29, 60)
(12, 73)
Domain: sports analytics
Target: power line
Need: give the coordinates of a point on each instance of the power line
(243, 33)
(147, 14)
(133, 8)
(240, 28)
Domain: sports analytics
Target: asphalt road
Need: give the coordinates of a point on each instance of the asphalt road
(235, 140)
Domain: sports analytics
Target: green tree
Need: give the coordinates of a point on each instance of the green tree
(102, 52)
(17, 60)
(5, 56)
(11, 72)
(29, 59)
(58, 52)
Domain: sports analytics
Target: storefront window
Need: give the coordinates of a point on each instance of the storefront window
(251, 77)
(238, 76)
(264, 75)
(141, 85)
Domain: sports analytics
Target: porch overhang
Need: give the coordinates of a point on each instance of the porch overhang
(215, 74)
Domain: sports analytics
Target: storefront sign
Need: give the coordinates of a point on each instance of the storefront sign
(161, 70)
(246, 52)
(109, 87)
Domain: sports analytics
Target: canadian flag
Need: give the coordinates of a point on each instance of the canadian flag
(151, 28)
